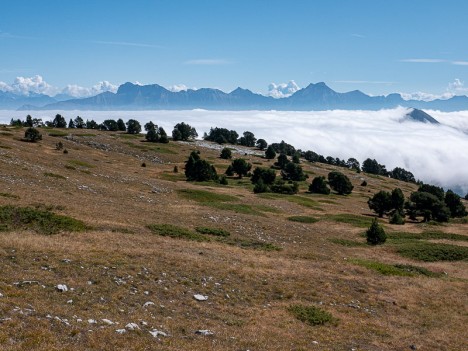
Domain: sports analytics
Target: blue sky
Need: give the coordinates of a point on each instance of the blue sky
(374, 46)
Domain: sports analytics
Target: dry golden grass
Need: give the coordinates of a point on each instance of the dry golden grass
(118, 265)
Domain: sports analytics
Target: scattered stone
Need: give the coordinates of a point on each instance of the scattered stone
(107, 321)
(200, 297)
(204, 332)
(70, 301)
(62, 288)
(155, 333)
(120, 331)
(315, 342)
(149, 303)
(66, 260)
(92, 321)
(26, 282)
(1, 295)
(132, 326)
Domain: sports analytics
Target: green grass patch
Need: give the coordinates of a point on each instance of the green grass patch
(177, 232)
(10, 196)
(70, 167)
(303, 219)
(205, 234)
(311, 315)
(58, 133)
(6, 133)
(402, 270)
(426, 235)
(431, 252)
(355, 220)
(173, 177)
(81, 163)
(40, 220)
(212, 231)
(347, 243)
(204, 196)
(5, 147)
(53, 175)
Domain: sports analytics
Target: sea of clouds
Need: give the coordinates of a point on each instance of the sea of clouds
(436, 154)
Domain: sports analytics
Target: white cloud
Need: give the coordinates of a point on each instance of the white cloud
(36, 84)
(28, 85)
(432, 152)
(457, 87)
(81, 92)
(282, 89)
(460, 63)
(177, 87)
(423, 60)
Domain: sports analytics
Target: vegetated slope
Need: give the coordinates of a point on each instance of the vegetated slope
(153, 241)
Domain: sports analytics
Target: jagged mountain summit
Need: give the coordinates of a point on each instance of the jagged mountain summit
(317, 96)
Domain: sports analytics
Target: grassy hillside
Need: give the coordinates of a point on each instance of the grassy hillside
(134, 244)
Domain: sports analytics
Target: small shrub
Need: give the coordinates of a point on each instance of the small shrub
(143, 164)
(397, 218)
(176, 169)
(311, 315)
(59, 146)
(226, 153)
(375, 234)
(53, 175)
(212, 231)
(65, 151)
(223, 180)
(364, 183)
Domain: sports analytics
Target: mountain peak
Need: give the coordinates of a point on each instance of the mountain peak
(420, 116)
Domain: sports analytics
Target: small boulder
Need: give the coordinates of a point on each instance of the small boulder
(155, 333)
(62, 288)
(204, 332)
(132, 326)
(200, 297)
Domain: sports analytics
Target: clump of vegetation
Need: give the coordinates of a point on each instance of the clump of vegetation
(32, 135)
(340, 183)
(394, 269)
(311, 315)
(155, 134)
(355, 220)
(183, 131)
(319, 186)
(143, 164)
(431, 252)
(42, 221)
(174, 231)
(212, 231)
(199, 170)
(241, 167)
(375, 235)
(303, 219)
(226, 153)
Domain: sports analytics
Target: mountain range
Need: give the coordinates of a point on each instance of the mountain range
(131, 96)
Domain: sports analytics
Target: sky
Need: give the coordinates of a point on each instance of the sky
(272, 47)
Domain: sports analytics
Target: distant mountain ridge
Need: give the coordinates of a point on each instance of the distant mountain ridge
(317, 96)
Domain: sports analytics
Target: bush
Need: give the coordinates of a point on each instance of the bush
(281, 187)
(311, 315)
(241, 167)
(375, 234)
(319, 186)
(381, 203)
(183, 131)
(226, 153)
(199, 170)
(270, 153)
(364, 183)
(267, 175)
(340, 183)
(223, 180)
(212, 231)
(32, 135)
(397, 218)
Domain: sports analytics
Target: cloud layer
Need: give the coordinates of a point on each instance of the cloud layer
(434, 153)
(37, 85)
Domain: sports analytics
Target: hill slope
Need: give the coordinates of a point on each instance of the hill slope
(126, 268)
